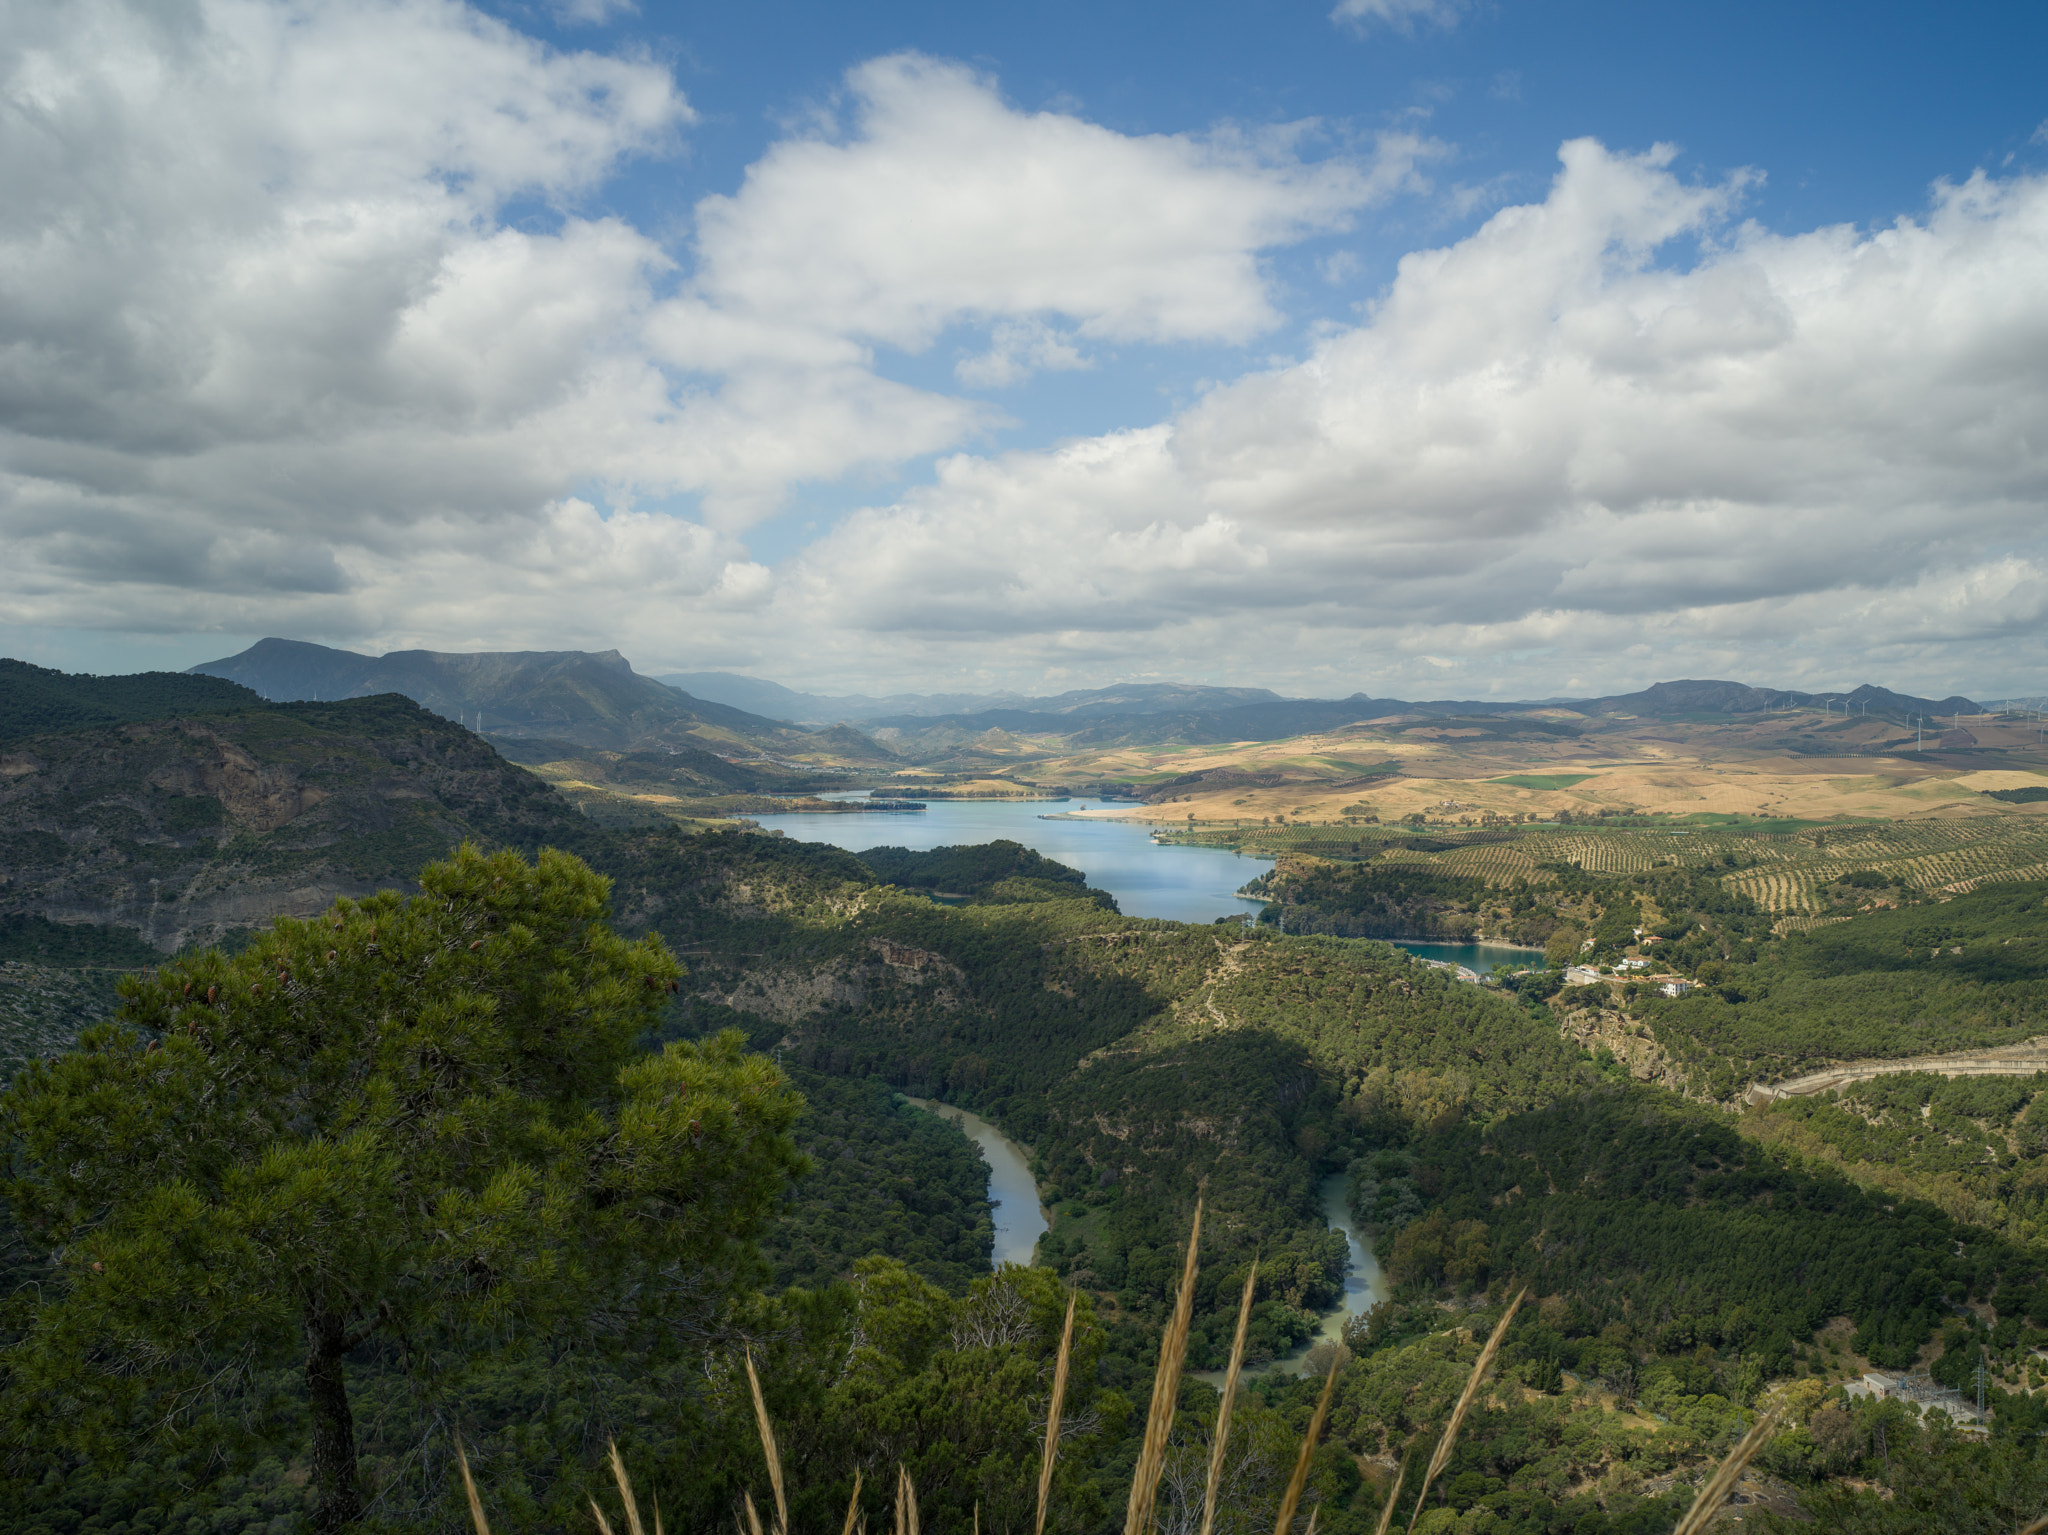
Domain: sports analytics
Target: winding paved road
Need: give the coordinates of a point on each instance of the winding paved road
(2020, 1060)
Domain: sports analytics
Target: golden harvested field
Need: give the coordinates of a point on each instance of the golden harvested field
(1794, 765)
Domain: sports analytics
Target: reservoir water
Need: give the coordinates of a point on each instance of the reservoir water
(1478, 957)
(1187, 884)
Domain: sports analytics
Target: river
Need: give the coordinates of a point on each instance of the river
(1020, 1221)
(1019, 1217)
(1186, 884)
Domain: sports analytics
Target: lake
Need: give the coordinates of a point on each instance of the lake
(1478, 957)
(1187, 884)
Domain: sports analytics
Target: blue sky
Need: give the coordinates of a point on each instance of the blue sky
(940, 346)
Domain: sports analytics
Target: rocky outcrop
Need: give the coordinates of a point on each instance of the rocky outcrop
(791, 995)
(1629, 1041)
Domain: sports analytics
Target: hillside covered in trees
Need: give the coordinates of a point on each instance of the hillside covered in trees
(1688, 1262)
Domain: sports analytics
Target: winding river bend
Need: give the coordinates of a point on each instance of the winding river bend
(1185, 884)
(1020, 1220)
(1019, 1217)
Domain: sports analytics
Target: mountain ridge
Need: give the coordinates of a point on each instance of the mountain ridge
(593, 698)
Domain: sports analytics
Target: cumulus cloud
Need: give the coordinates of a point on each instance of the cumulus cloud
(1809, 450)
(305, 325)
(1402, 15)
(935, 201)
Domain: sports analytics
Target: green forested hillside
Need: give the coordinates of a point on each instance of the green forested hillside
(34, 700)
(885, 1179)
(1000, 871)
(1684, 1263)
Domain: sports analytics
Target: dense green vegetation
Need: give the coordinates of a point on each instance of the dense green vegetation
(1001, 871)
(1971, 1146)
(35, 700)
(1684, 1265)
(39, 941)
(1964, 973)
(885, 1179)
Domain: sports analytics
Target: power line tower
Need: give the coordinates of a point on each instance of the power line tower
(1980, 1375)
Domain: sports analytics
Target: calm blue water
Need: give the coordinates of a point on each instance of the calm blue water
(1479, 957)
(1186, 884)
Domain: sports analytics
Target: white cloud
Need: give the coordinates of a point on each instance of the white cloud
(1402, 15)
(273, 343)
(275, 356)
(1804, 451)
(591, 13)
(1017, 349)
(936, 202)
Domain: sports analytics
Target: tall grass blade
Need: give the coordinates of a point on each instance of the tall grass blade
(768, 1449)
(906, 1502)
(1722, 1482)
(1449, 1442)
(1290, 1502)
(1244, 1317)
(476, 1504)
(1052, 1414)
(2037, 1527)
(603, 1524)
(1393, 1497)
(852, 1507)
(1173, 1347)
(753, 1518)
(632, 1504)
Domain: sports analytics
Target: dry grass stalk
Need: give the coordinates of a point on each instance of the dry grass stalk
(1449, 1442)
(1052, 1414)
(603, 1524)
(852, 1507)
(476, 1504)
(1244, 1317)
(1722, 1482)
(768, 1449)
(1290, 1502)
(906, 1502)
(1393, 1497)
(1173, 1347)
(632, 1504)
(2039, 1526)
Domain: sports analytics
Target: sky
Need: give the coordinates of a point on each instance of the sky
(1425, 348)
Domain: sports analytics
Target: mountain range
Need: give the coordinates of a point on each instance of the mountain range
(597, 700)
(589, 698)
(779, 702)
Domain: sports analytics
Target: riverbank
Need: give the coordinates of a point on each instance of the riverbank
(1020, 1218)
(1019, 1215)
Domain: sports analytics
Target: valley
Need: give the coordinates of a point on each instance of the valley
(1701, 1236)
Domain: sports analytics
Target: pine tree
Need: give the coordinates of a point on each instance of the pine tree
(423, 1119)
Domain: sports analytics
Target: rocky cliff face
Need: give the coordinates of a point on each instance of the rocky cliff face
(187, 829)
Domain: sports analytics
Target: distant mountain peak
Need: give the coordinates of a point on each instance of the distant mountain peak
(591, 698)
